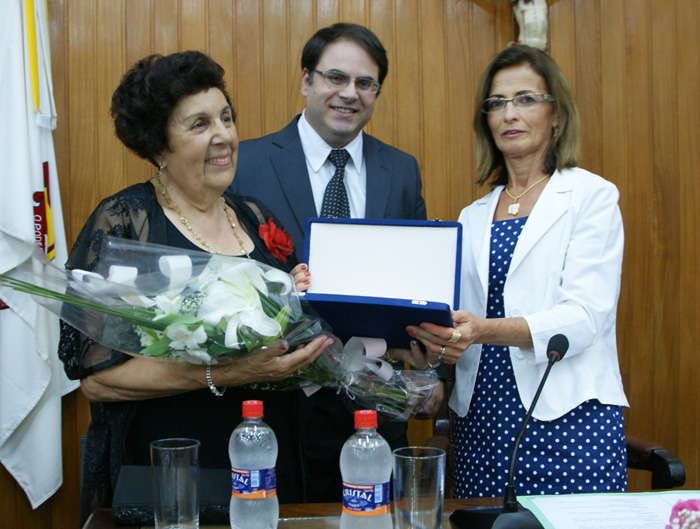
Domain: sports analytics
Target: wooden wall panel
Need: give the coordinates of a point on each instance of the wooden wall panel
(687, 105)
(637, 268)
(614, 139)
(631, 64)
(249, 60)
(166, 38)
(665, 185)
(326, 13)
(459, 98)
(380, 18)
(302, 17)
(58, 27)
(139, 41)
(109, 60)
(562, 37)
(433, 112)
(588, 93)
(79, 77)
(405, 94)
(194, 27)
(275, 65)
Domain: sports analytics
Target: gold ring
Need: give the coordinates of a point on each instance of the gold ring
(442, 353)
(389, 359)
(456, 335)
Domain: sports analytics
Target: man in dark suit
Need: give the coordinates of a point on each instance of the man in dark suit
(343, 67)
(289, 169)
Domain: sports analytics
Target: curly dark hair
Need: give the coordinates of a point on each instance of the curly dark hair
(151, 89)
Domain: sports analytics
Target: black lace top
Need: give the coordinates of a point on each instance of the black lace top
(119, 432)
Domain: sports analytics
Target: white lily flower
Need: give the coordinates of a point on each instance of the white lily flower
(224, 300)
(256, 320)
(247, 274)
(169, 304)
(209, 273)
(183, 338)
(235, 291)
(277, 276)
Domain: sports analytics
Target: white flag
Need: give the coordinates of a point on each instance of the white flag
(32, 380)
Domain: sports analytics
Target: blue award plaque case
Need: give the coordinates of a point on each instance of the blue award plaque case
(373, 277)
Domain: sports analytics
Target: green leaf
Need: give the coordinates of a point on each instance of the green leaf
(186, 319)
(150, 333)
(160, 348)
(270, 308)
(214, 332)
(216, 349)
(167, 319)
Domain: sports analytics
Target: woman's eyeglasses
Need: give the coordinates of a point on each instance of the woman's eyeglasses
(522, 101)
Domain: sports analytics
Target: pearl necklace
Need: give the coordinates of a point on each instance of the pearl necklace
(195, 233)
(515, 207)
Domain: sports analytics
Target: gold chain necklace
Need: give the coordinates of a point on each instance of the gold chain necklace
(515, 207)
(195, 233)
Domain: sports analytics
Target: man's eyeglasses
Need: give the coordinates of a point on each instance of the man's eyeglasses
(341, 80)
(522, 101)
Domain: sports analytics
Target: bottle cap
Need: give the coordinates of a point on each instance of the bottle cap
(252, 409)
(365, 419)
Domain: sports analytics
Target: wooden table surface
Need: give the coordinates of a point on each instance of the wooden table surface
(298, 516)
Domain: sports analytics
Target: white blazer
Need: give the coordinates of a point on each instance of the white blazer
(564, 278)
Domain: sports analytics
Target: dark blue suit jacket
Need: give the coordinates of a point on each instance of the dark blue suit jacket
(273, 170)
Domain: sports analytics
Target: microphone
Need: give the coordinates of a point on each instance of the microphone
(511, 515)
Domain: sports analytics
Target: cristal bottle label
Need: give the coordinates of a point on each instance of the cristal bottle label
(366, 500)
(253, 484)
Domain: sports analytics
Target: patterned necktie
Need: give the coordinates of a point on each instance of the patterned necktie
(335, 199)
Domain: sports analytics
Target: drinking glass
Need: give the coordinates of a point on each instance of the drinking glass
(419, 487)
(175, 470)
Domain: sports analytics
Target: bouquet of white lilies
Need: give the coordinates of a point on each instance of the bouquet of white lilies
(152, 300)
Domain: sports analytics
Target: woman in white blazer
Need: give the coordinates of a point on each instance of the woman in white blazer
(542, 255)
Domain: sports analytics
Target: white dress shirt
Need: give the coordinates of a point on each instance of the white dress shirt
(321, 169)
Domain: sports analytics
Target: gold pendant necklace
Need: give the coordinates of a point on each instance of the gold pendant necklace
(195, 233)
(515, 207)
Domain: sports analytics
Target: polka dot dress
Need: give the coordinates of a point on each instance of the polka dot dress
(583, 451)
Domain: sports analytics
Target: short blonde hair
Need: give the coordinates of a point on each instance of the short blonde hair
(563, 148)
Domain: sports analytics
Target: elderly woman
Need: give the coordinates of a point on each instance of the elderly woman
(542, 255)
(174, 111)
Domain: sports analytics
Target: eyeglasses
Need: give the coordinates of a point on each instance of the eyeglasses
(341, 80)
(522, 101)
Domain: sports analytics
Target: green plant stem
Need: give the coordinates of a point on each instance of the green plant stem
(143, 317)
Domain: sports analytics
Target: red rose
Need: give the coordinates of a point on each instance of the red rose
(279, 242)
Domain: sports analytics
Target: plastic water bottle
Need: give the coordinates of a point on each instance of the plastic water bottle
(253, 453)
(366, 464)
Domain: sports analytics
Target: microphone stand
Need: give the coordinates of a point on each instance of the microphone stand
(512, 515)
